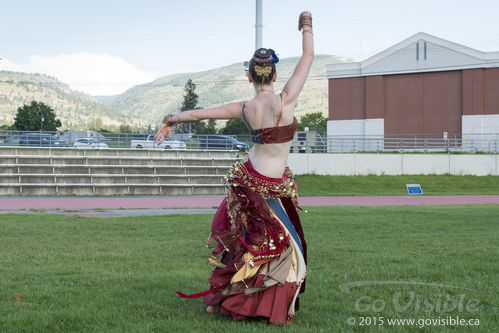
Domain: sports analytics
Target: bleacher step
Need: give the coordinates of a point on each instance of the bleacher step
(57, 171)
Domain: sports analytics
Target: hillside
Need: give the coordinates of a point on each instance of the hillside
(222, 85)
(75, 109)
(146, 104)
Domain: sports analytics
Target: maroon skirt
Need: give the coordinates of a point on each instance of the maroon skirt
(259, 248)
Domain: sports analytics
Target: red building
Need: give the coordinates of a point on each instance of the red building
(422, 85)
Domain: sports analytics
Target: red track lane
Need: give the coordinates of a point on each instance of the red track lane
(157, 202)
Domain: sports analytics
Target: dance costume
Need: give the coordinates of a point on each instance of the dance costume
(260, 251)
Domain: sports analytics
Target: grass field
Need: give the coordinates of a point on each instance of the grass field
(120, 275)
(395, 185)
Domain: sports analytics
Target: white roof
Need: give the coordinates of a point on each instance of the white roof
(419, 53)
(72, 135)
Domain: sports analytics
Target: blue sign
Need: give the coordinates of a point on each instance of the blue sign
(414, 189)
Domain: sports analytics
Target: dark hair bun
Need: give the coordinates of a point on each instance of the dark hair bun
(262, 52)
(262, 56)
(264, 60)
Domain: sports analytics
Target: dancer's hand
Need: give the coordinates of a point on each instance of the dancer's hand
(163, 132)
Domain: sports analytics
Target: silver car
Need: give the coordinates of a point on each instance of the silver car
(148, 141)
(89, 143)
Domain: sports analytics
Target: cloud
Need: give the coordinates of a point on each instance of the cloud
(94, 74)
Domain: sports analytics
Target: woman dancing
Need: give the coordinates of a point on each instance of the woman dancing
(259, 249)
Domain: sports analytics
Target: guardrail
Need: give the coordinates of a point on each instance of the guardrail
(304, 142)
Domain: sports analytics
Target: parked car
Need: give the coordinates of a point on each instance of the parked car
(41, 140)
(89, 143)
(222, 142)
(3, 137)
(148, 141)
(14, 139)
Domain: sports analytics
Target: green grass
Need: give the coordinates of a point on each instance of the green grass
(71, 274)
(395, 185)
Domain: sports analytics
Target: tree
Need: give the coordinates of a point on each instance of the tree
(5, 127)
(206, 127)
(95, 124)
(190, 98)
(125, 128)
(234, 126)
(29, 118)
(190, 103)
(315, 121)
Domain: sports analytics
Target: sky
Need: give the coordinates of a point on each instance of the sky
(105, 47)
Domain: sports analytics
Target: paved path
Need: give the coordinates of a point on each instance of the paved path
(156, 205)
(194, 202)
(115, 212)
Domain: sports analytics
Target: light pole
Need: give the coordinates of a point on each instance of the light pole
(258, 25)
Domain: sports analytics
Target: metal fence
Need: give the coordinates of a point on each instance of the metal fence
(303, 142)
(475, 143)
(102, 140)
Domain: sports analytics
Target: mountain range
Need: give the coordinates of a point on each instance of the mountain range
(147, 103)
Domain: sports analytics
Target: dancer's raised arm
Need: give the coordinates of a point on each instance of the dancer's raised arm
(295, 84)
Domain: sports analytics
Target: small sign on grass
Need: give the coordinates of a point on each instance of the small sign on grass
(414, 189)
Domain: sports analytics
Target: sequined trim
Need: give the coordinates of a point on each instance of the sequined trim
(239, 175)
(215, 262)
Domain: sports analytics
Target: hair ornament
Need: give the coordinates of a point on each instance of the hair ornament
(263, 60)
(263, 71)
(275, 59)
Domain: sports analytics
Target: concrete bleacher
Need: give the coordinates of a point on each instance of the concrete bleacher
(63, 171)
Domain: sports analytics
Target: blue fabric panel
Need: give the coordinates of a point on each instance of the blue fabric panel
(281, 214)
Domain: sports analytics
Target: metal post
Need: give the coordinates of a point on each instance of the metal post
(258, 25)
(41, 123)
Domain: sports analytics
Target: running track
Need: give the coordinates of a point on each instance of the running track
(159, 202)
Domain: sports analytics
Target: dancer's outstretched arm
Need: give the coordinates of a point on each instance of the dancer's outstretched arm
(295, 84)
(226, 111)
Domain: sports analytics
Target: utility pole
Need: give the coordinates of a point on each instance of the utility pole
(258, 25)
(258, 30)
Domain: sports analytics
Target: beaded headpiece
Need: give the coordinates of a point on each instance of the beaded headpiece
(271, 58)
(259, 60)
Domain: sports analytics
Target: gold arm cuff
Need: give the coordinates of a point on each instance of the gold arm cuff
(305, 19)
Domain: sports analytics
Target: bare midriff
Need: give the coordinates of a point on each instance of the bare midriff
(270, 159)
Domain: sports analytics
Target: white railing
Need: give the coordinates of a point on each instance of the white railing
(475, 143)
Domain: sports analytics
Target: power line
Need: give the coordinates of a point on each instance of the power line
(101, 84)
(131, 40)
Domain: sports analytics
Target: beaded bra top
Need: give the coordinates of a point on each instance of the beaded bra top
(272, 134)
